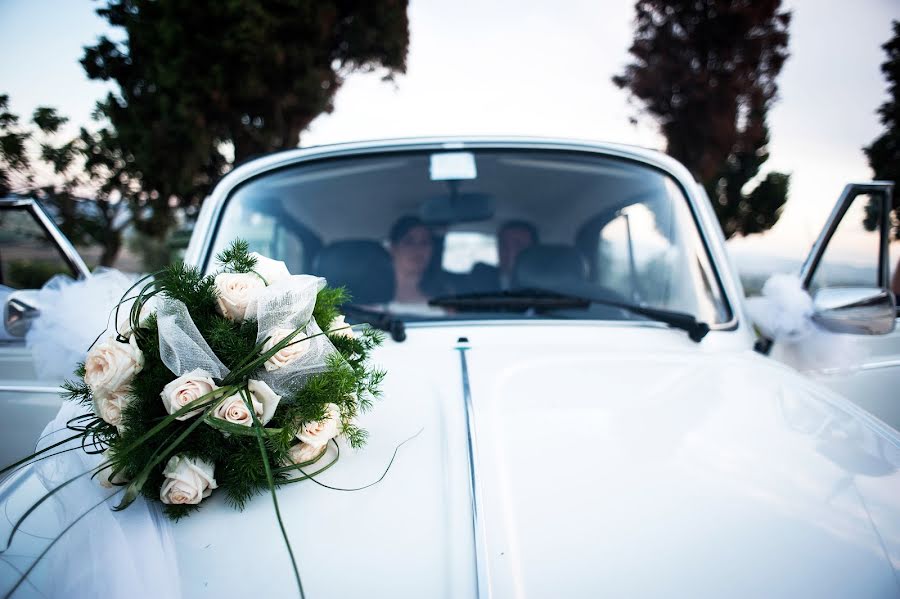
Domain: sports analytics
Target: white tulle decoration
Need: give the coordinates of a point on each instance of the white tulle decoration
(181, 346)
(72, 314)
(130, 553)
(313, 360)
(289, 303)
(784, 314)
(784, 311)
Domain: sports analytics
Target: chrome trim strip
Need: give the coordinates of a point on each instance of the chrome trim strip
(482, 568)
(65, 246)
(30, 389)
(69, 253)
(867, 366)
(881, 364)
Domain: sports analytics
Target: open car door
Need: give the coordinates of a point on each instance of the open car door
(849, 274)
(32, 250)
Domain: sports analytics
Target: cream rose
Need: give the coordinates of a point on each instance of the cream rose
(340, 327)
(103, 476)
(272, 271)
(235, 292)
(185, 389)
(303, 453)
(234, 408)
(264, 395)
(110, 366)
(298, 346)
(109, 407)
(187, 480)
(319, 432)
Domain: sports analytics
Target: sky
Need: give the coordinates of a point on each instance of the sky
(497, 67)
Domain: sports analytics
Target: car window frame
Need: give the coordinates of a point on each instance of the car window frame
(849, 194)
(64, 247)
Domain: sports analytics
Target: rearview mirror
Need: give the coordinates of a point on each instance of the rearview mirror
(457, 207)
(19, 311)
(855, 310)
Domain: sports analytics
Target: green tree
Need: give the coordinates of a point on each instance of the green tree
(884, 152)
(81, 179)
(14, 161)
(195, 78)
(705, 70)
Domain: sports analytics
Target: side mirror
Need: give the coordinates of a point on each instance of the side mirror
(19, 312)
(855, 310)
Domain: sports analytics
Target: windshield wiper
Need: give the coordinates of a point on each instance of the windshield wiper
(523, 299)
(380, 320)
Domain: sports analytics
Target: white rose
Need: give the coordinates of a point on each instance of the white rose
(187, 480)
(298, 346)
(319, 432)
(235, 292)
(109, 407)
(185, 389)
(234, 408)
(103, 476)
(110, 366)
(340, 327)
(264, 395)
(270, 270)
(303, 453)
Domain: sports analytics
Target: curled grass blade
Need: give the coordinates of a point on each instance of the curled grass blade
(371, 484)
(37, 453)
(34, 564)
(239, 429)
(270, 480)
(298, 479)
(39, 502)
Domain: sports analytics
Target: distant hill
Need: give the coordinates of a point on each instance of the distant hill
(755, 268)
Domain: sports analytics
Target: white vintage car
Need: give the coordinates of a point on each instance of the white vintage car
(567, 333)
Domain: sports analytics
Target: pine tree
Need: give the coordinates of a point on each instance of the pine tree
(706, 71)
(884, 152)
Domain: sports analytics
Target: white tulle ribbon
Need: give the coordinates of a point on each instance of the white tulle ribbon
(784, 310)
(105, 553)
(289, 304)
(181, 346)
(784, 314)
(72, 314)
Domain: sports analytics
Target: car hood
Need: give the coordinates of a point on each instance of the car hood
(602, 469)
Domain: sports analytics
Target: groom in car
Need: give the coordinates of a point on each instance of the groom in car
(513, 237)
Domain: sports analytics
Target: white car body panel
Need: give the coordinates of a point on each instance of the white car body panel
(29, 401)
(666, 472)
(871, 381)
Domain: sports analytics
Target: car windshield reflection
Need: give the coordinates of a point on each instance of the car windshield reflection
(399, 230)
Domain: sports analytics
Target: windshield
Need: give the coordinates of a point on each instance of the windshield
(403, 231)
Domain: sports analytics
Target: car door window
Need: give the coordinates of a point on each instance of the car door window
(852, 256)
(29, 256)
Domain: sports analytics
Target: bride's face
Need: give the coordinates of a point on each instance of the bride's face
(412, 252)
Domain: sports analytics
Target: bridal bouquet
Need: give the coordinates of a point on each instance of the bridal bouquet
(234, 383)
